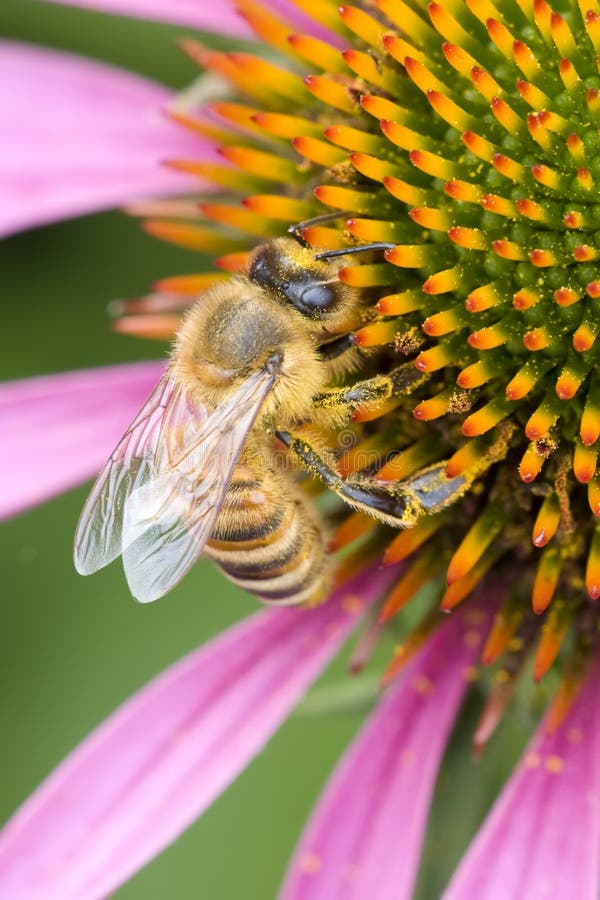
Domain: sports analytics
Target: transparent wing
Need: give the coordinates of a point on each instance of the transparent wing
(99, 530)
(169, 517)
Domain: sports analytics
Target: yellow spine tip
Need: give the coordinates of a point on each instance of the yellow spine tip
(530, 465)
(509, 250)
(542, 258)
(565, 296)
(536, 339)
(431, 409)
(524, 299)
(546, 523)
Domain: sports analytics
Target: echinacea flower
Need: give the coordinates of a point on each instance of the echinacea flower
(460, 142)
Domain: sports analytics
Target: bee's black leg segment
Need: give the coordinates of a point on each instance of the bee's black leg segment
(386, 502)
(333, 349)
(359, 248)
(399, 504)
(310, 458)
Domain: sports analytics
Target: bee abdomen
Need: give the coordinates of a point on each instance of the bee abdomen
(274, 551)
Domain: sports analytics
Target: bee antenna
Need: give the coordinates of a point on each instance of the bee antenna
(297, 229)
(359, 248)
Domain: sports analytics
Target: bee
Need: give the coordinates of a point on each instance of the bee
(197, 470)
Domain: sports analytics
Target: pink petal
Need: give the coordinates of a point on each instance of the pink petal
(220, 17)
(160, 760)
(364, 839)
(81, 136)
(59, 430)
(541, 841)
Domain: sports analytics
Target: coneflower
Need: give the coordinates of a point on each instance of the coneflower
(459, 144)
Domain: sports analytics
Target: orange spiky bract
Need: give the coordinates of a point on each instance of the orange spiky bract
(471, 144)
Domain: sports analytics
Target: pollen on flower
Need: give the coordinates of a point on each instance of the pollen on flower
(423, 685)
(310, 863)
(470, 674)
(408, 757)
(554, 765)
(461, 145)
(532, 761)
(352, 604)
(350, 872)
(472, 639)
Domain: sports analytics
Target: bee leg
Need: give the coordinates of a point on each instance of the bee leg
(398, 504)
(336, 347)
(342, 402)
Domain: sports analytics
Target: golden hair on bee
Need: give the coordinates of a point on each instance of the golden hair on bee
(232, 330)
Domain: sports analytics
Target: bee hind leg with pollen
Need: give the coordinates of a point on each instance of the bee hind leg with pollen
(399, 504)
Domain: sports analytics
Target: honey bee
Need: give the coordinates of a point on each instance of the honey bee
(197, 469)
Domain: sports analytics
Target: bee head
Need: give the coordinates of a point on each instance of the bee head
(293, 275)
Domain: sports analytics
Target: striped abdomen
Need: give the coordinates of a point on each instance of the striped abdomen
(267, 539)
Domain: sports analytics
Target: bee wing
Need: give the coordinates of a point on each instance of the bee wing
(169, 517)
(98, 538)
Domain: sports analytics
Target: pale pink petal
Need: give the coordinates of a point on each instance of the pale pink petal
(220, 17)
(161, 759)
(541, 840)
(364, 839)
(58, 430)
(80, 136)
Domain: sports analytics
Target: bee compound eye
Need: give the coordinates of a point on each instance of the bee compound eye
(259, 269)
(311, 297)
(318, 296)
(265, 269)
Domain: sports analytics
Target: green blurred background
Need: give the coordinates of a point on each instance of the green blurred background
(73, 648)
